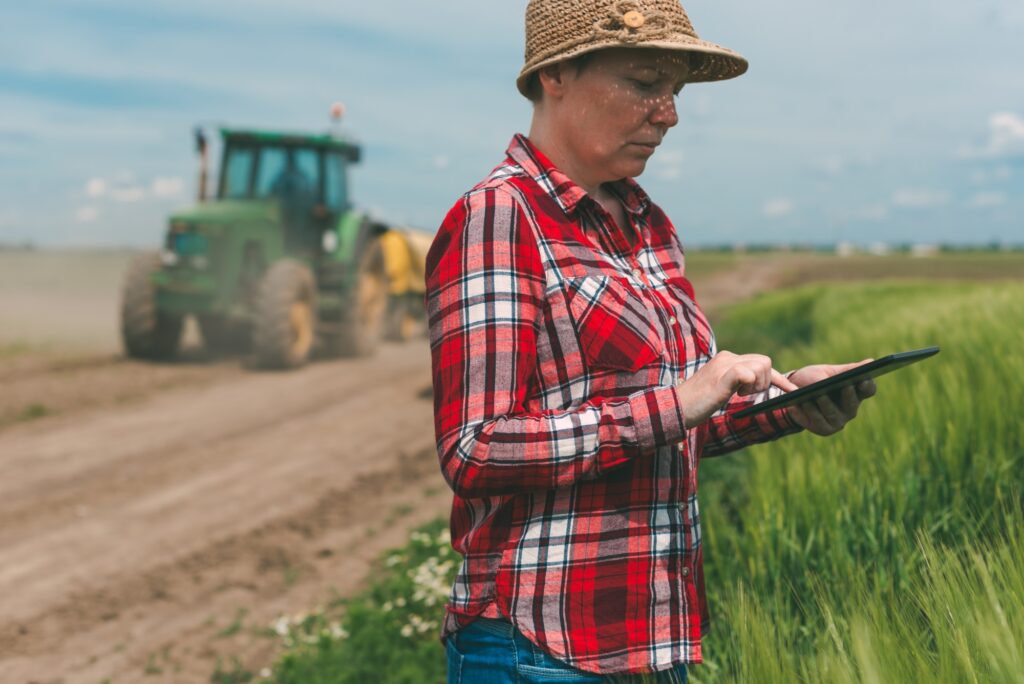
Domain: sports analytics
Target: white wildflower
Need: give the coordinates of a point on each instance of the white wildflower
(281, 626)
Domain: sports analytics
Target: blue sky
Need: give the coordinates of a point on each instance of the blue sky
(858, 121)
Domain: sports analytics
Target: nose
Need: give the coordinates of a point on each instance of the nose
(664, 112)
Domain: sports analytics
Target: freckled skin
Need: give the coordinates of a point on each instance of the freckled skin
(602, 123)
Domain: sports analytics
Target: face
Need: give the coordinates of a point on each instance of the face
(614, 111)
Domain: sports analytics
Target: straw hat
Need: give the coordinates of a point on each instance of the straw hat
(557, 30)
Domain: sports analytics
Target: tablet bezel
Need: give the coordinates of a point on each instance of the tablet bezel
(873, 369)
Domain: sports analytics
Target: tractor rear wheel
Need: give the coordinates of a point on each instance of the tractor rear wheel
(362, 323)
(284, 325)
(147, 332)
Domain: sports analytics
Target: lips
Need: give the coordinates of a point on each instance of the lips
(646, 146)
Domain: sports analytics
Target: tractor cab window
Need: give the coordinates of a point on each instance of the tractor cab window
(288, 171)
(335, 192)
(238, 172)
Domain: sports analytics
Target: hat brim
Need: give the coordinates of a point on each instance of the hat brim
(717, 64)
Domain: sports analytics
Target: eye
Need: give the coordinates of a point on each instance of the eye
(642, 85)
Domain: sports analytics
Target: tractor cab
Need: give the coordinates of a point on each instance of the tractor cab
(305, 176)
(278, 261)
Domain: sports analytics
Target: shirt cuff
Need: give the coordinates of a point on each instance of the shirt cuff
(779, 420)
(657, 418)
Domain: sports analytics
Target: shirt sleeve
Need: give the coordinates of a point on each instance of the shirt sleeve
(728, 433)
(485, 302)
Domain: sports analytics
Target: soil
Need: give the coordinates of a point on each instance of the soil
(155, 519)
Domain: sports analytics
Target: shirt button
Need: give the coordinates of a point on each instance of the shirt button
(672, 320)
(636, 273)
(686, 571)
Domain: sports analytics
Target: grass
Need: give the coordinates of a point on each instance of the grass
(388, 633)
(33, 411)
(851, 549)
(888, 553)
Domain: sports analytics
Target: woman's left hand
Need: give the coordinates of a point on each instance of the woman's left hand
(823, 415)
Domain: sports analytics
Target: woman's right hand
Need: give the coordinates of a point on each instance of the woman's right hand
(726, 374)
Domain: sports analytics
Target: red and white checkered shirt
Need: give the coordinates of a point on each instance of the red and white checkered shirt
(556, 350)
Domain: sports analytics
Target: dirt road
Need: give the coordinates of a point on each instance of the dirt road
(156, 518)
(131, 535)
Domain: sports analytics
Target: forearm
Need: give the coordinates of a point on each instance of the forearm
(544, 450)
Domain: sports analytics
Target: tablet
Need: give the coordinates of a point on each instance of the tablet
(851, 377)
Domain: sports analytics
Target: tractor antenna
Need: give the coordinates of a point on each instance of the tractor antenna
(204, 161)
(337, 112)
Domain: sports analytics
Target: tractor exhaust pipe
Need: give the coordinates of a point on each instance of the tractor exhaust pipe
(204, 162)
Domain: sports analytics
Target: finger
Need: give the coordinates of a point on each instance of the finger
(741, 379)
(849, 402)
(764, 376)
(799, 416)
(833, 416)
(782, 382)
(866, 388)
(814, 421)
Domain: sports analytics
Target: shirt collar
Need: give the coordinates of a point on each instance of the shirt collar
(561, 188)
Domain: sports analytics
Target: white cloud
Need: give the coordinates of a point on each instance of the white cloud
(833, 165)
(777, 208)
(985, 176)
(96, 187)
(167, 187)
(86, 214)
(919, 198)
(1005, 138)
(986, 200)
(1006, 132)
(128, 193)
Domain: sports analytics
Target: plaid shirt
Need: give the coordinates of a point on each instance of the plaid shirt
(556, 350)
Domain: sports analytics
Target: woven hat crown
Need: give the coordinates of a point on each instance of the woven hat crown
(561, 29)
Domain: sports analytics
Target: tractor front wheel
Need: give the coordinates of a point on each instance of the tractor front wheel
(147, 332)
(284, 326)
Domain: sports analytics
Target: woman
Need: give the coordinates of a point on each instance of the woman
(576, 380)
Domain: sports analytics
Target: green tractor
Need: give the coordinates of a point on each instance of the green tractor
(278, 262)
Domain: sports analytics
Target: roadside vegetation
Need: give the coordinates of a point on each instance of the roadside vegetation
(890, 552)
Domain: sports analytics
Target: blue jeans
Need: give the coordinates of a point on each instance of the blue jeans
(494, 652)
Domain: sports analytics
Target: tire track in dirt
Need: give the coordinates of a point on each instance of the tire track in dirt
(124, 527)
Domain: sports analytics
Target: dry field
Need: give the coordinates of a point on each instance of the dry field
(156, 518)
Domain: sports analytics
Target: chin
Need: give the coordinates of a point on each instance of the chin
(633, 168)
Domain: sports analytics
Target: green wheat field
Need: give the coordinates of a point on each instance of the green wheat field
(892, 552)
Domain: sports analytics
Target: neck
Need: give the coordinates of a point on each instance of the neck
(547, 138)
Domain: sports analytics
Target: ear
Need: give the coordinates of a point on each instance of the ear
(553, 79)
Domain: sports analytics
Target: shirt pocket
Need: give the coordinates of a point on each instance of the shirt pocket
(613, 324)
(693, 325)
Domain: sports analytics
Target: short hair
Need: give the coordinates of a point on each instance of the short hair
(533, 89)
